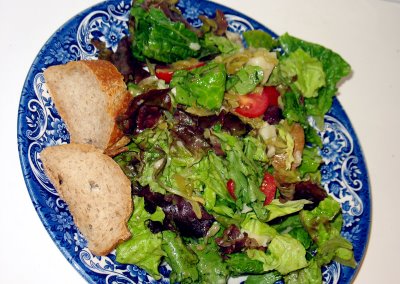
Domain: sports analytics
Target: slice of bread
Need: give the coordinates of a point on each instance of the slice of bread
(88, 96)
(96, 190)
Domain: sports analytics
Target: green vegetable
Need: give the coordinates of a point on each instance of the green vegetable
(285, 254)
(267, 278)
(239, 264)
(324, 223)
(156, 37)
(334, 66)
(288, 143)
(210, 266)
(212, 175)
(311, 161)
(245, 80)
(293, 226)
(297, 242)
(303, 73)
(318, 222)
(337, 249)
(312, 136)
(134, 89)
(293, 110)
(124, 160)
(224, 45)
(309, 275)
(277, 209)
(143, 248)
(255, 149)
(259, 38)
(246, 172)
(203, 86)
(180, 258)
(260, 231)
(156, 144)
(178, 166)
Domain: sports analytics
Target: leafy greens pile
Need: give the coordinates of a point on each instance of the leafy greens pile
(223, 162)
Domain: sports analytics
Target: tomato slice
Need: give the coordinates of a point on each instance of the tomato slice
(268, 187)
(165, 73)
(230, 185)
(272, 95)
(254, 105)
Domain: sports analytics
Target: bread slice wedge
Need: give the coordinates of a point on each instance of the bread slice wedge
(96, 190)
(89, 94)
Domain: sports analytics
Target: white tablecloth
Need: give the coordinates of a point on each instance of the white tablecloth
(365, 32)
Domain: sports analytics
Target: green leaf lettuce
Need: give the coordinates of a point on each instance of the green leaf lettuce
(203, 86)
(143, 248)
(285, 254)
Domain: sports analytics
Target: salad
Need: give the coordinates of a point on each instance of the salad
(221, 152)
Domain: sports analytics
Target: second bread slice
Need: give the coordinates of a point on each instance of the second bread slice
(96, 190)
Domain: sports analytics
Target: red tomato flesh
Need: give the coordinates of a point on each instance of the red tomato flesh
(164, 74)
(254, 105)
(268, 187)
(230, 185)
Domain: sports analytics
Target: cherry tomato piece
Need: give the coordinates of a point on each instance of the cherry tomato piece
(230, 185)
(164, 74)
(253, 105)
(268, 187)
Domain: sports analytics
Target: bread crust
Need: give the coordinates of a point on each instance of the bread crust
(112, 83)
(113, 87)
(54, 155)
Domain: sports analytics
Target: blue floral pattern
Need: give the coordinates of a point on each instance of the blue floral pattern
(111, 32)
(39, 126)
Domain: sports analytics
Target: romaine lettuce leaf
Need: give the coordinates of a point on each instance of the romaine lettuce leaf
(312, 136)
(125, 161)
(293, 226)
(211, 173)
(324, 223)
(155, 143)
(157, 37)
(277, 209)
(143, 248)
(255, 149)
(246, 172)
(309, 275)
(260, 231)
(259, 38)
(338, 249)
(239, 264)
(303, 73)
(285, 254)
(210, 266)
(293, 110)
(311, 160)
(203, 86)
(224, 45)
(245, 80)
(182, 260)
(334, 66)
(286, 148)
(267, 278)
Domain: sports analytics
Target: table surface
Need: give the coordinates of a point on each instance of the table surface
(365, 32)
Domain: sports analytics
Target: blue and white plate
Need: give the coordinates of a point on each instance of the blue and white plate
(344, 173)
